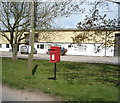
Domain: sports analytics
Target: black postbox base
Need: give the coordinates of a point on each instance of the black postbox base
(54, 78)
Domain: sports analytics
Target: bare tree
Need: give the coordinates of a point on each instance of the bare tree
(101, 26)
(15, 17)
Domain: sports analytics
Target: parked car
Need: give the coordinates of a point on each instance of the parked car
(26, 49)
(62, 52)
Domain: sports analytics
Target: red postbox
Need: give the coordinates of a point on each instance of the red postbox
(54, 54)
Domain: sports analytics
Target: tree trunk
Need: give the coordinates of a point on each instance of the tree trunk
(14, 52)
(106, 44)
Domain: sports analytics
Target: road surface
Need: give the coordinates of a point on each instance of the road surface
(88, 59)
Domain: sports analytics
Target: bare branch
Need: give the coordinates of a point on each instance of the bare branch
(5, 35)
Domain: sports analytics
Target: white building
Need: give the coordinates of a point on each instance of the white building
(63, 38)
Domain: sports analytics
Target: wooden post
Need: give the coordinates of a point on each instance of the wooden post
(31, 40)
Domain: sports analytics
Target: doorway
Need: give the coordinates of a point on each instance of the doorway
(117, 45)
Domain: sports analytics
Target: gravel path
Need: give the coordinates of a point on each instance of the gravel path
(10, 94)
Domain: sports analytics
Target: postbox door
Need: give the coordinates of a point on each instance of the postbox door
(55, 54)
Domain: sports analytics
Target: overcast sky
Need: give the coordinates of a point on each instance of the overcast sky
(71, 22)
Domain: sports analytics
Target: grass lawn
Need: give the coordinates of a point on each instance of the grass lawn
(75, 81)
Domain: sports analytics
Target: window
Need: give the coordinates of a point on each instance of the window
(0, 45)
(41, 46)
(82, 48)
(97, 49)
(24, 47)
(38, 46)
(7, 45)
(69, 46)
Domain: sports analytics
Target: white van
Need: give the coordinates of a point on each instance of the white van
(25, 49)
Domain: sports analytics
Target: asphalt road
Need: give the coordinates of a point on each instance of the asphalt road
(88, 59)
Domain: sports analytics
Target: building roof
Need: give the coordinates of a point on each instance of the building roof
(69, 29)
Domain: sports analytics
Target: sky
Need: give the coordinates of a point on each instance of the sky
(71, 21)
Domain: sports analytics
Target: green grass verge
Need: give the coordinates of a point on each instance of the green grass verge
(75, 81)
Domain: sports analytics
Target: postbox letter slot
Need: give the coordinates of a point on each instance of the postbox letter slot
(52, 49)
